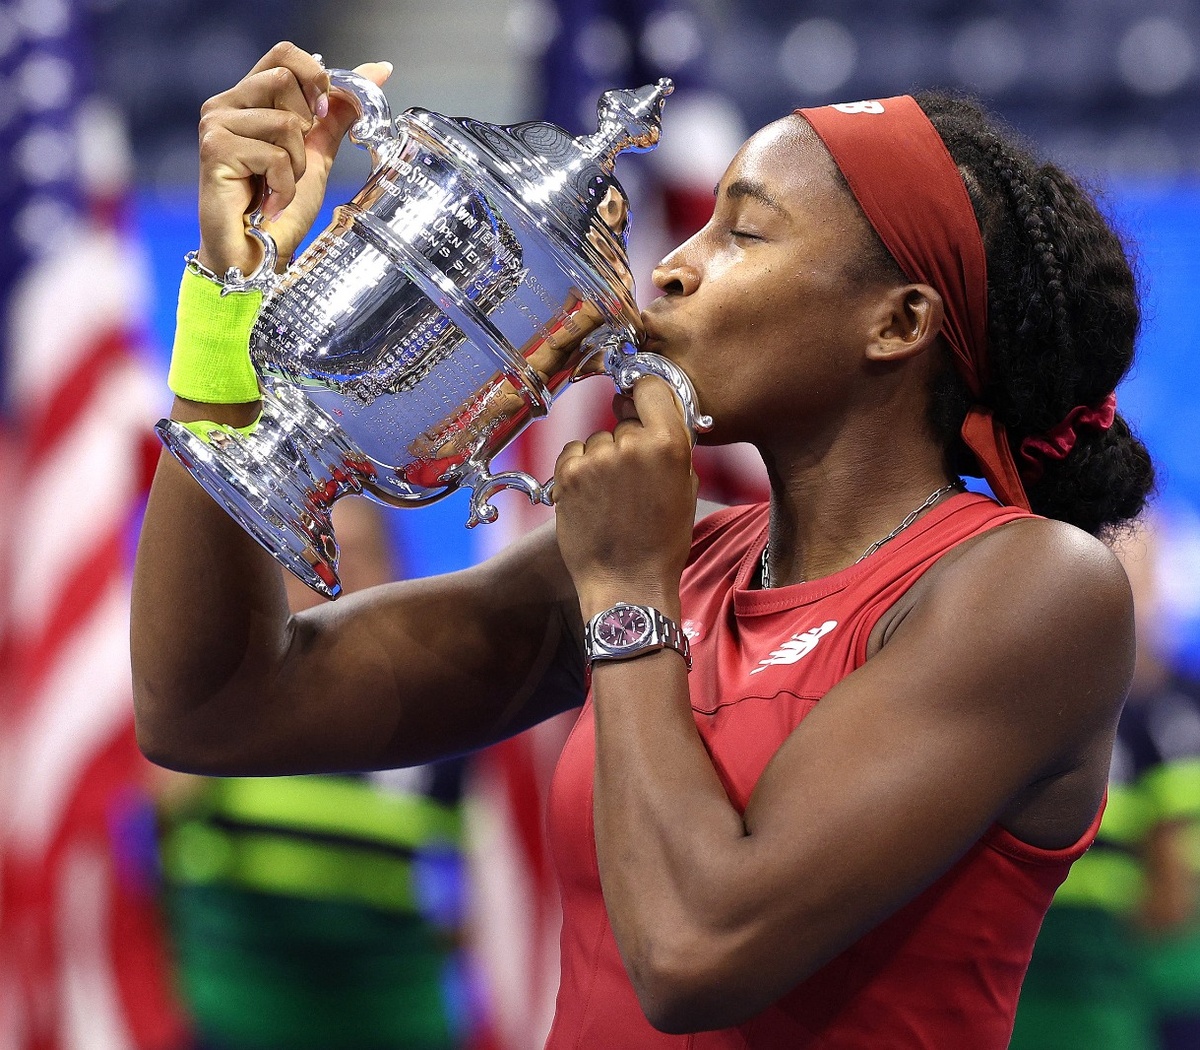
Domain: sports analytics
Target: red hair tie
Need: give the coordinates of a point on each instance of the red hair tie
(1058, 441)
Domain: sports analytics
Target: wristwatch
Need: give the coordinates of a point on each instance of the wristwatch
(626, 631)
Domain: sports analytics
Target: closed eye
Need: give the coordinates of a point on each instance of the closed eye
(745, 235)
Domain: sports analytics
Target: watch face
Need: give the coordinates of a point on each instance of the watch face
(622, 626)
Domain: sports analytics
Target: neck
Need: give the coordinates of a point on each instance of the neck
(826, 512)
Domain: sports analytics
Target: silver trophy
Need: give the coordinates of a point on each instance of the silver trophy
(479, 270)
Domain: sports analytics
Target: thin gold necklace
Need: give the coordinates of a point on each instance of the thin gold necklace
(930, 500)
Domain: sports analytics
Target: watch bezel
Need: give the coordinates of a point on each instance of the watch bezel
(608, 618)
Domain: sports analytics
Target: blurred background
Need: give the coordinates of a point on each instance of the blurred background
(97, 208)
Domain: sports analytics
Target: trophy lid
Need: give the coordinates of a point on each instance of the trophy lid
(556, 174)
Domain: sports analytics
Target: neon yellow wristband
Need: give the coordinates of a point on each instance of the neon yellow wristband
(210, 361)
(204, 428)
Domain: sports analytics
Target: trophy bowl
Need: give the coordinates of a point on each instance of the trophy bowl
(478, 271)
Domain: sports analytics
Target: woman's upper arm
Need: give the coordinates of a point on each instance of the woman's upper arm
(1009, 667)
(415, 670)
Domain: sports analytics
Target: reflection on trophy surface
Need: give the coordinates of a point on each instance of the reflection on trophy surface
(478, 271)
(554, 353)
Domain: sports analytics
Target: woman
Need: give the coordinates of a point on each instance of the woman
(842, 827)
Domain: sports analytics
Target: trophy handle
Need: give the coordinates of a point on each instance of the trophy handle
(627, 368)
(484, 485)
(373, 130)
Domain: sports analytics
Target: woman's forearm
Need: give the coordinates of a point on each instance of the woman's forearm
(209, 613)
(667, 836)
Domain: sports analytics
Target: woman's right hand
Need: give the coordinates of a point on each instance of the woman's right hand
(276, 131)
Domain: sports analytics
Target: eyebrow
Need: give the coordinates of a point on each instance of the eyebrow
(742, 188)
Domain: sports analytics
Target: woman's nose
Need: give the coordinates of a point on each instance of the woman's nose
(675, 276)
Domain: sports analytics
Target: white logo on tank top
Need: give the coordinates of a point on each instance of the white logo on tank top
(797, 647)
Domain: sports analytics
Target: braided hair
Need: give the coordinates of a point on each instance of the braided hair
(1062, 318)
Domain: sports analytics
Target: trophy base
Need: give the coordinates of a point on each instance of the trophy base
(278, 481)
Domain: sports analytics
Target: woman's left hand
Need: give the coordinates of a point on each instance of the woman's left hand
(625, 503)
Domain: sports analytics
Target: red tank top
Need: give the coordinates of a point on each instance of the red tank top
(945, 970)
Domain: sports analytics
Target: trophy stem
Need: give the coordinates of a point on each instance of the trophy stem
(279, 480)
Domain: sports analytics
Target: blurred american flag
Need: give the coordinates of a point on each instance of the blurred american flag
(81, 964)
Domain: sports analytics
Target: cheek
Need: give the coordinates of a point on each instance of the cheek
(722, 265)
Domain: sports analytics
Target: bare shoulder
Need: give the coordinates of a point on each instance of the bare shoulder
(992, 698)
(1039, 576)
(1033, 623)
(1044, 597)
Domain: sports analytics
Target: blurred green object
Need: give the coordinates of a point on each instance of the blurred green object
(1171, 963)
(272, 972)
(315, 913)
(1083, 989)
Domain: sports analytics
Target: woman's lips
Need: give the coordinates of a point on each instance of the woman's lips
(652, 336)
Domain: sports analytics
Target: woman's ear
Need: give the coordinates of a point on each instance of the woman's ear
(909, 321)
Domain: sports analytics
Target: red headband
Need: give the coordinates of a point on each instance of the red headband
(908, 186)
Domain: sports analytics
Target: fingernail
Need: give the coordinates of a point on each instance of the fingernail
(388, 66)
(321, 109)
(270, 205)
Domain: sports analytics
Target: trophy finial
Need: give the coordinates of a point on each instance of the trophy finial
(630, 119)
